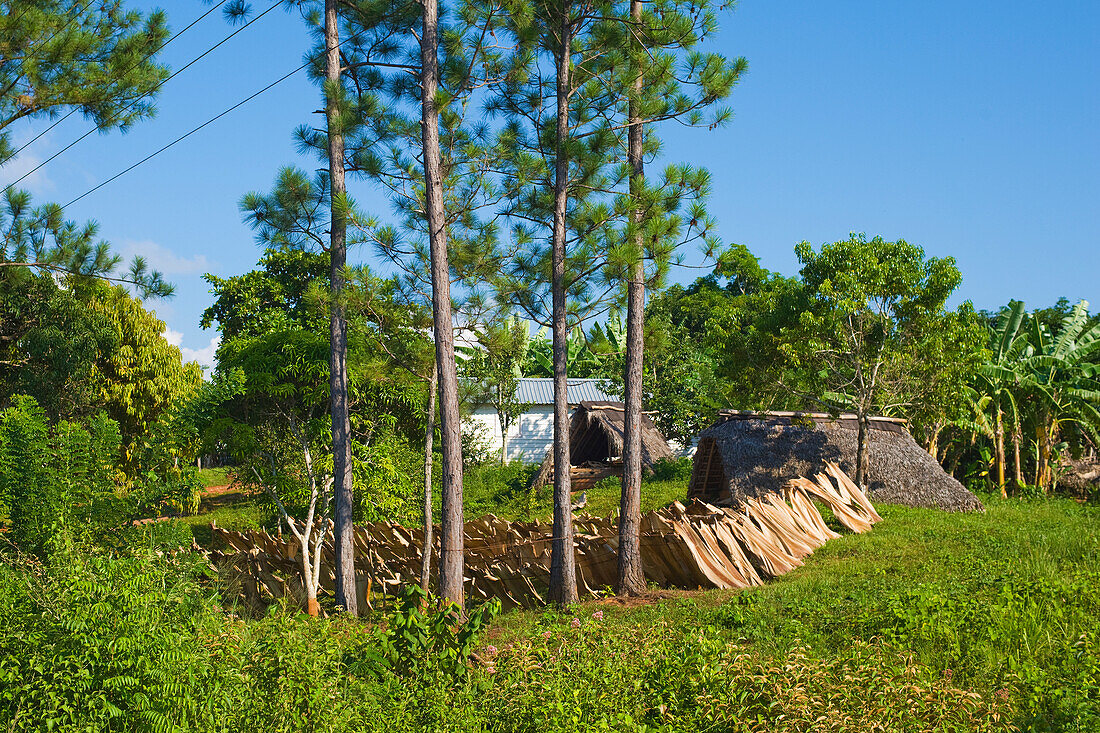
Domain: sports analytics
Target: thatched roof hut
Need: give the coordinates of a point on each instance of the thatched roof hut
(596, 432)
(754, 453)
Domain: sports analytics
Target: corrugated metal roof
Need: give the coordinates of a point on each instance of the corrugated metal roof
(540, 391)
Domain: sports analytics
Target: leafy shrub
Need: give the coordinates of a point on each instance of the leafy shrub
(58, 482)
(497, 489)
(672, 469)
(95, 643)
(418, 638)
(389, 476)
(477, 446)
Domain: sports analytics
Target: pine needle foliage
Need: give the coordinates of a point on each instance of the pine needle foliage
(92, 56)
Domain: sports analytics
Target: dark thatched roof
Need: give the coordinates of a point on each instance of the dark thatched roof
(596, 432)
(751, 454)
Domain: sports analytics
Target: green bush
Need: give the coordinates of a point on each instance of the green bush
(421, 638)
(492, 488)
(672, 469)
(58, 482)
(94, 643)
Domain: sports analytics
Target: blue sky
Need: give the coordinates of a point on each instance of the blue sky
(968, 128)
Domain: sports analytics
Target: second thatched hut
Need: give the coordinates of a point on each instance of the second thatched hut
(596, 432)
(753, 453)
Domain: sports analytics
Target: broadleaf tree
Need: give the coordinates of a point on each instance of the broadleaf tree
(867, 302)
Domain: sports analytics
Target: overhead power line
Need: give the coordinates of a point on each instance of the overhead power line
(74, 110)
(188, 134)
(158, 86)
(216, 117)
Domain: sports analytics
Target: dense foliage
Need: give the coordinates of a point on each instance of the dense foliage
(931, 622)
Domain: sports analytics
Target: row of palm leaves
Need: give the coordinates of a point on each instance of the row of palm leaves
(1039, 392)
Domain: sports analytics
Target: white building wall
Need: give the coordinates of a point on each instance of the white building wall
(486, 417)
(529, 437)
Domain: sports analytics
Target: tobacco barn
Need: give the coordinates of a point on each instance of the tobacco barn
(753, 453)
(596, 432)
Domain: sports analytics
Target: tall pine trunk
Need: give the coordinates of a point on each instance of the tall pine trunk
(451, 558)
(563, 571)
(631, 577)
(429, 437)
(343, 497)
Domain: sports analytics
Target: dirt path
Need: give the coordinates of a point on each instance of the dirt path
(211, 498)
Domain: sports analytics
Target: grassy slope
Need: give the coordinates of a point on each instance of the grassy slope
(932, 621)
(1004, 603)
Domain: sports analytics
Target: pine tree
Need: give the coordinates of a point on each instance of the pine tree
(98, 59)
(555, 143)
(664, 80)
(343, 491)
(585, 75)
(413, 78)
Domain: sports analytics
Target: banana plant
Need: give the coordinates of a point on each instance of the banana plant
(1064, 380)
(583, 361)
(1001, 381)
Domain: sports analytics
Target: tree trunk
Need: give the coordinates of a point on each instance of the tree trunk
(934, 442)
(451, 559)
(631, 576)
(1038, 457)
(1048, 433)
(563, 571)
(312, 607)
(863, 452)
(1017, 468)
(344, 541)
(429, 437)
(1000, 445)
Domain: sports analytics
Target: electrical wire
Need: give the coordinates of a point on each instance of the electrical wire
(216, 117)
(188, 134)
(157, 87)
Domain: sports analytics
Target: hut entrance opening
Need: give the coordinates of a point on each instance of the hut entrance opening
(708, 482)
(591, 445)
(596, 445)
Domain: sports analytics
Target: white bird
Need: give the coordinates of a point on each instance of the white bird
(581, 502)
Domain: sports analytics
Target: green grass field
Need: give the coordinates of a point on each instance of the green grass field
(1003, 605)
(930, 622)
(219, 476)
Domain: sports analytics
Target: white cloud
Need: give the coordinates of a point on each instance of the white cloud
(163, 259)
(204, 356)
(173, 337)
